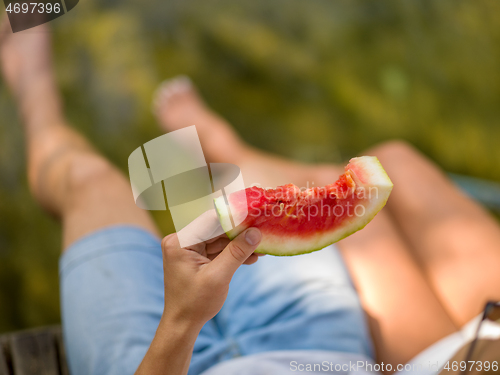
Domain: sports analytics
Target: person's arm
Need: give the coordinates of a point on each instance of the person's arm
(196, 285)
(170, 351)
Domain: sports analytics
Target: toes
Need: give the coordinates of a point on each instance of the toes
(170, 89)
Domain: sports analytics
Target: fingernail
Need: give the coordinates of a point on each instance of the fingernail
(253, 236)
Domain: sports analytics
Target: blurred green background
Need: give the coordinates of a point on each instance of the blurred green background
(309, 80)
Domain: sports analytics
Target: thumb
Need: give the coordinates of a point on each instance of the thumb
(238, 250)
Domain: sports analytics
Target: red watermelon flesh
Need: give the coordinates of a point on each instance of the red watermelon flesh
(296, 221)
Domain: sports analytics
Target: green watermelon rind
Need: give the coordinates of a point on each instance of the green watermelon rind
(378, 174)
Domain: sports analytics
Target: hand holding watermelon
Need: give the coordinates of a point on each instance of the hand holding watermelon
(197, 277)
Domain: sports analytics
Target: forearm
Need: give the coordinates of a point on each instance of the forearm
(195, 288)
(170, 351)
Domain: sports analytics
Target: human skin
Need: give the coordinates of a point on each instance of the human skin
(196, 285)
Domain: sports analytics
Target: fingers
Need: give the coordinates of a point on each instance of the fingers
(251, 259)
(236, 253)
(205, 229)
(169, 244)
(217, 246)
(211, 249)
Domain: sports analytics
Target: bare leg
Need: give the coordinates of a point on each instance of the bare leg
(405, 315)
(66, 175)
(455, 241)
(177, 105)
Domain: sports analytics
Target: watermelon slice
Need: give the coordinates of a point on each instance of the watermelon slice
(295, 221)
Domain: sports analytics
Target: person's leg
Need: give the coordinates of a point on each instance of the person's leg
(405, 315)
(66, 175)
(456, 242)
(111, 275)
(177, 104)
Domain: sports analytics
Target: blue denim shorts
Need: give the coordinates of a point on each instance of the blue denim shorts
(112, 300)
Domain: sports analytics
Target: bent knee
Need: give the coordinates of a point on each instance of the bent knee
(89, 171)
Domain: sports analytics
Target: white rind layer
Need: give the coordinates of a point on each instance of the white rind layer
(367, 172)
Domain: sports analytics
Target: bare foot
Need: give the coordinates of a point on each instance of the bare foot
(25, 57)
(177, 104)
